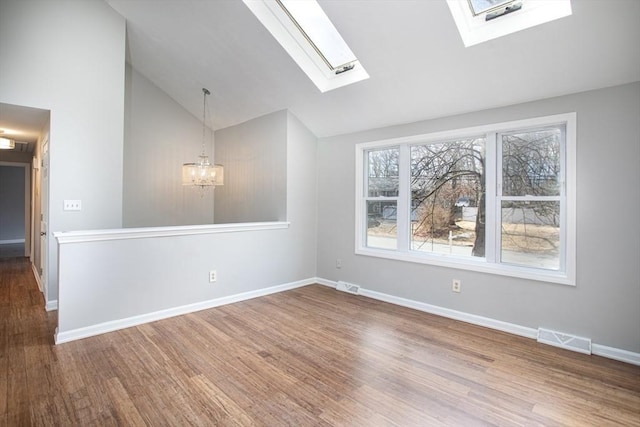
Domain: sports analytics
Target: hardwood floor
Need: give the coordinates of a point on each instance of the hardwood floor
(307, 357)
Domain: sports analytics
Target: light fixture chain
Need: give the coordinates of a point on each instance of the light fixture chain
(205, 92)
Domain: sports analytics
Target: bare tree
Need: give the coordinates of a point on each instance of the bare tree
(442, 173)
(445, 173)
(531, 167)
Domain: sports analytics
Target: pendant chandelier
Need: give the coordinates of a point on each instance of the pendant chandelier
(202, 173)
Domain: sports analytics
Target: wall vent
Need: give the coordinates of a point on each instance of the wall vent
(569, 342)
(348, 287)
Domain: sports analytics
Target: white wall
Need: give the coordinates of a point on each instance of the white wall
(254, 155)
(111, 280)
(68, 56)
(160, 136)
(605, 304)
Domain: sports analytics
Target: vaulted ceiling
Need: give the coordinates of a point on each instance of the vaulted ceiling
(418, 64)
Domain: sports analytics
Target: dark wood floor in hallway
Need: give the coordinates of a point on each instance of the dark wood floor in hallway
(307, 357)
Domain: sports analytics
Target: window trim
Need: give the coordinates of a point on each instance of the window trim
(566, 277)
(475, 29)
(491, 8)
(329, 28)
(290, 36)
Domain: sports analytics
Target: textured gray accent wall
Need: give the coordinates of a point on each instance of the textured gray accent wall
(254, 155)
(160, 136)
(605, 304)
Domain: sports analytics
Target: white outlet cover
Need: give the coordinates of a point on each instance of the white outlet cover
(72, 205)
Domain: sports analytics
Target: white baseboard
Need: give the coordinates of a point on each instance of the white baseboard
(11, 241)
(596, 349)
(616, 354)
(48, 305)
(51, 305)
(325, 282)
(453, 314)
(85, 332)
(36, 275)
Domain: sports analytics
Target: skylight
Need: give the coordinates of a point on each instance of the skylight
(315, 24)
(481, 6)
(476, 23)
(311, 39)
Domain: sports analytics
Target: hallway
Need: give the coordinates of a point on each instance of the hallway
(11, 250)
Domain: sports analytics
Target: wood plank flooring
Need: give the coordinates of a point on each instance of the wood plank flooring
(307, 357)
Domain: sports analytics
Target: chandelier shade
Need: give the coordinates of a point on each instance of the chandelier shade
(202, 173)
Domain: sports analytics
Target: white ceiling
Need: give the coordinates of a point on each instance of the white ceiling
(418, 65)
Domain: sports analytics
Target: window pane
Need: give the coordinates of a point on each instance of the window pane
(480, 6)
(531, 163)
(383, 172)
(447, 197)
(382, 231)
(531, 234)
(320, 30)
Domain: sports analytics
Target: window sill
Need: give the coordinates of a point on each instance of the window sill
(471, 265)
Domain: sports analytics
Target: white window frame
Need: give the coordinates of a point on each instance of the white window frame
(475, 29)
(490, 9)
(301, 50)
(490, 263)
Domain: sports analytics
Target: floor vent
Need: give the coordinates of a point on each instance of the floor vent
(570, 342)
(348, 287)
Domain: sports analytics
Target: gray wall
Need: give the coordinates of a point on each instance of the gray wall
(12, 215)
(254, 155)
(605, 304)
(68, 56)
(160, 136)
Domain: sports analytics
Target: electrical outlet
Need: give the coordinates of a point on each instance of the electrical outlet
(456, 285)
(213, 276)
(72, 205)
(338, 263)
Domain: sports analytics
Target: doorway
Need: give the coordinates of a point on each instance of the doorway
(15, 210)
(21, 187)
